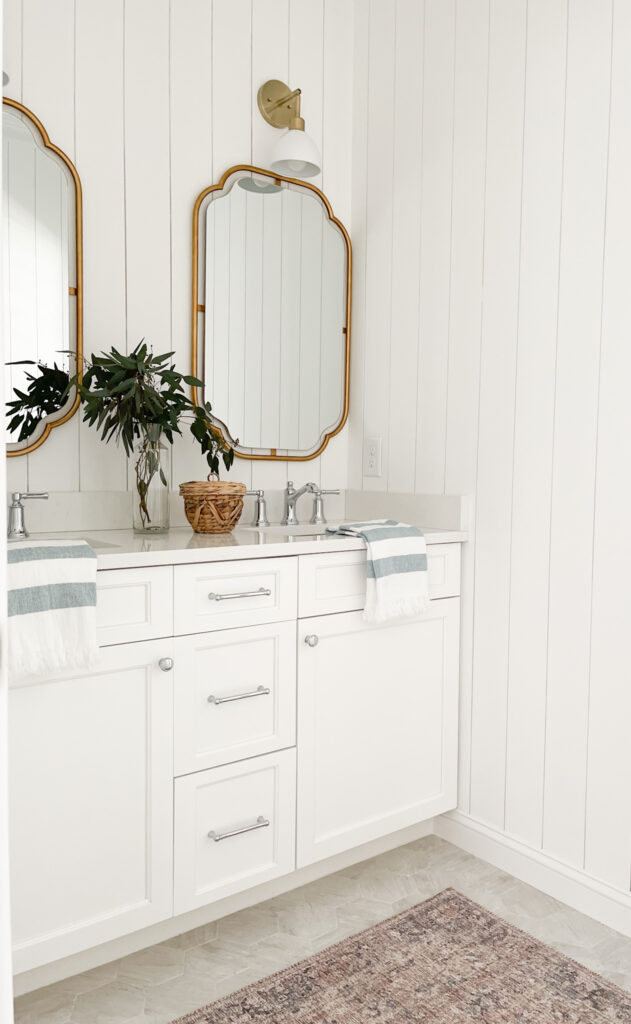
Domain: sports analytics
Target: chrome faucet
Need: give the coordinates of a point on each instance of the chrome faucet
(318, 506)
(260, 509)
(290, 497)
(16, 530)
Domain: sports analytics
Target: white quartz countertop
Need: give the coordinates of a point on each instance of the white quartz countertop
(124, 549)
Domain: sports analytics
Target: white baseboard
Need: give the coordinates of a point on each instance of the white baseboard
(575, 888)
(28, 981)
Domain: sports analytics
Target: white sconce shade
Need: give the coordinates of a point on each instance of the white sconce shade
(296, 155)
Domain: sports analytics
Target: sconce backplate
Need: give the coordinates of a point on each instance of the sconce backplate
(270, 97)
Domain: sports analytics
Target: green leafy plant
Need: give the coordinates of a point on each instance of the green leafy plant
(46, 392)
(140, 397)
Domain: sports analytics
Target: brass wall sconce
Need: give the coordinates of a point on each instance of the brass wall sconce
(295, 154)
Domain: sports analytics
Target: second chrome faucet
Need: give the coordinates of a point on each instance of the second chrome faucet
(290, 497)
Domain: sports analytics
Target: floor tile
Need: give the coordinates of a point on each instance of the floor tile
(181, 974)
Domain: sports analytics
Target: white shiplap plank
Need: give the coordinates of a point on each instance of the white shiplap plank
(191, 171)
(270, 59)
(289, 411)
(253, 305)
(465, 314)
(379, 201)
(534, 416)
(100, 102)
(147, 192)
(438, 103)
(236, 361)
(305, 71)
(359, 239)
(467, 244)
(406, 244)
(49, 57)
(232, 116)
(218, 316)
(270, 322)
(608, 808)
(147, 186)
(337, 135)
(17, 468)
(310, 323)
(306, 46)
(12, 50)
(497, 392)
(580, 300)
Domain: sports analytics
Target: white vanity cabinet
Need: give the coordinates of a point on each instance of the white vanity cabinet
(377, 726)
(91, 803)
(213, 749)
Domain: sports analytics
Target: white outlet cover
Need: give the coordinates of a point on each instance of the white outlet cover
(372, 456)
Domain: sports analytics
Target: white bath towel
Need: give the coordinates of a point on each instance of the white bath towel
(396, 568)
(52, 607)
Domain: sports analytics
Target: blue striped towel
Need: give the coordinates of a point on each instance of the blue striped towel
(51, 606)
(396, 568)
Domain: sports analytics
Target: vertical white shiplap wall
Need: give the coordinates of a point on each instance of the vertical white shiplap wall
(492, 227)
(154, 100)
(607, 807)
(502, 208)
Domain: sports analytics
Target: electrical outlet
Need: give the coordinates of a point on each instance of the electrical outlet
(372, 456)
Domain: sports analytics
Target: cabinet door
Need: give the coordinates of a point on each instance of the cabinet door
(377, 726)
(91, 803)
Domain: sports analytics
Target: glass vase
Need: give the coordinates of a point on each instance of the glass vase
(151, 483)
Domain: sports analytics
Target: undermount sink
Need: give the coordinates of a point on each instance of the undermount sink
(304, 530)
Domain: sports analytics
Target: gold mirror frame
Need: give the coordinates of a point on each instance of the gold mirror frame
(77, 290)
(197, 309)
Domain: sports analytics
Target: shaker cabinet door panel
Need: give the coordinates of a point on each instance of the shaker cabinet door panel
(91, 826)
(235, 827)
(377, 726)
(235, 695)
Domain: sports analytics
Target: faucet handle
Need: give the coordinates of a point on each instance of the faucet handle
(19, 496)
(16, 529)
(260, 508)
(318, 506)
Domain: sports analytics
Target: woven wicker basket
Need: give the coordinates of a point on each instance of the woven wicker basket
(212, 506)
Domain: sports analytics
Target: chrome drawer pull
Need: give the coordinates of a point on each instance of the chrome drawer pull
(260, 822)
(312, 640)
(261, 592)
(260, 691)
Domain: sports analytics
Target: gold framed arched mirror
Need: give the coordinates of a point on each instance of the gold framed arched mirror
(43, 280)
(271, 313)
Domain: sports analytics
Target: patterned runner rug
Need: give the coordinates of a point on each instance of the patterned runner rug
(444, 961)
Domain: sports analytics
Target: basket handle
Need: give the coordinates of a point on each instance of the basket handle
(215, 477)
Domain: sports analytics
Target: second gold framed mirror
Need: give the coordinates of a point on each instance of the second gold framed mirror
(43, 280)
(271, 313)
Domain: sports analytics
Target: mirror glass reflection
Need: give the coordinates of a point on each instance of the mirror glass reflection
(275, 297)
(39, 286)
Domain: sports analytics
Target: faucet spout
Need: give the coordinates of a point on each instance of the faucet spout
(290, 497)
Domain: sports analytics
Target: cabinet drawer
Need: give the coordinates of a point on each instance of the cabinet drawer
(234, 828)
(336, 582)
(250, 674)
(240, 593)
(134, 604)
